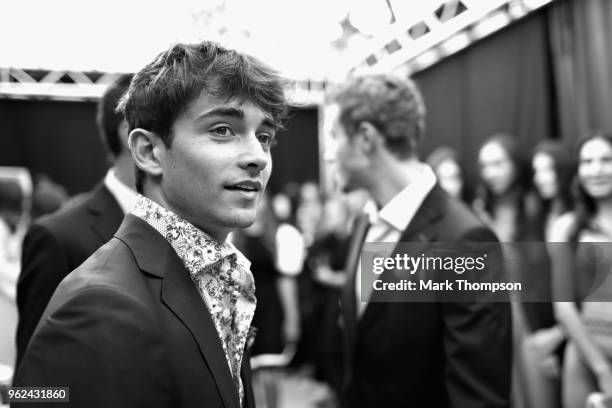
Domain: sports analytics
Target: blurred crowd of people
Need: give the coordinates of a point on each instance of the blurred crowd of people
(17, 208)
(559, 193)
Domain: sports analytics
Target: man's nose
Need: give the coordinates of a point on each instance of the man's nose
(254, 156)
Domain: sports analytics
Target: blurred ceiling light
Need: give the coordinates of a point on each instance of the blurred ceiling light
(370, 16)
(456, 43)
(491, 24)
(426, 58)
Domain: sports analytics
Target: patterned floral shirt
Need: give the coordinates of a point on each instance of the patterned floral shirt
(221, 274)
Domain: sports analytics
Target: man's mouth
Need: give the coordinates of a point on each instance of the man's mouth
(247, 186)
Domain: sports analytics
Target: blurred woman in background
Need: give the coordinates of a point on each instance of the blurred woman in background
(277, 317)
(501, 196)
(448, 167)
(581, 275)
(503, 202)
(326, 259)
(553, 170)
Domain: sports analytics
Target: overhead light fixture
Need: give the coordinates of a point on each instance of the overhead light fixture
(491, 24)
(456, 43)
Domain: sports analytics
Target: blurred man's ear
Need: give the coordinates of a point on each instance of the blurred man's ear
(147, 151)
(368, 137)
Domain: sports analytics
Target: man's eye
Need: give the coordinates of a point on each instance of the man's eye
(223, 131)
(267, 140)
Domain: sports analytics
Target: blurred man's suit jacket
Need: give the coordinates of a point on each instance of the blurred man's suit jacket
(57, 244)
(128, 328)
(417, 354)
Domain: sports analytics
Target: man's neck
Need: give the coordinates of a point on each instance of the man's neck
(124, 169)
(391, 177)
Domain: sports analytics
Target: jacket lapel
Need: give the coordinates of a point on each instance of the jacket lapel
(155, 255)
(422, 229)
(105, 211)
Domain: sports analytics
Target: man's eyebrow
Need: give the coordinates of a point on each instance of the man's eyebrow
(223, 111)
(237, 113)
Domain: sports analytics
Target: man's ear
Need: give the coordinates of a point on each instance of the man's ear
(368, 137)
(147, 150)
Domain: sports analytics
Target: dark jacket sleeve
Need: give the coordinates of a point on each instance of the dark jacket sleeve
(43, 265)
(478, 345)
(105, 346)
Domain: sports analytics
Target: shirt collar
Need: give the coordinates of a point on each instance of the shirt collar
(125, 196)
(403, 207)
(197, 249)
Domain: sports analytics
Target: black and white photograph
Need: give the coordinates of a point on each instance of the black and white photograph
(306, 204)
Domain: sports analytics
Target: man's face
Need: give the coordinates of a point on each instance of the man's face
(350, 161)
(218, 165)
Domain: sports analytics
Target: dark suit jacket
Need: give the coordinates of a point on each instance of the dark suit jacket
(128, 328)
(54, 246)
(435, 354)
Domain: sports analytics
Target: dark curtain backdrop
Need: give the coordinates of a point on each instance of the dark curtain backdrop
(60, 139)
(548, 75)
(502, 83)
(296, 156)
(581, 43)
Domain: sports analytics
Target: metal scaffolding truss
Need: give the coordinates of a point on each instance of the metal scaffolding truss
(16, 83)
(408, 46)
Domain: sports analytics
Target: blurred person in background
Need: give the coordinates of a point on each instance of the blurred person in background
(14, 216)
(290, 253)
(13, 222)
(160, 316)
(56, 244)
(503, 202)
(553, 170)
(448, 166)
(277, 318)
(582, 272)
(308, 211)
(47, 196)
(285, 205)
(326, 258)
(501, 196)
(422, 354)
